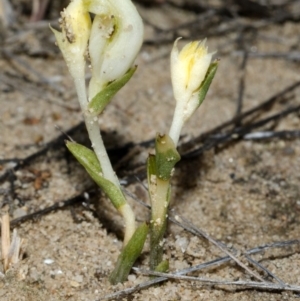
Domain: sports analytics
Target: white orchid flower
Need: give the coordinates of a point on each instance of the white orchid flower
(115, 40)
(191, 77)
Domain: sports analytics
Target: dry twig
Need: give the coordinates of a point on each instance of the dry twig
(10, 250)
(206, 281)
(206, 265)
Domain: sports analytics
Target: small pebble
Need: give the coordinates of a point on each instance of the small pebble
(48, 261)
(131, 278)
(74, 284)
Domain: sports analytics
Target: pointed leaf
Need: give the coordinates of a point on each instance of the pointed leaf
(129, 255)
(207, 81)
(85, 156)
(100, 101)
(166, 156)
(163, 267)
(88, 159)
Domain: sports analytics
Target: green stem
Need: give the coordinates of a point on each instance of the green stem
(156, 243)
(160, 202)
(129, 255)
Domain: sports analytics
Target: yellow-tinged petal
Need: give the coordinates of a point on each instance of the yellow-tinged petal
(178, 76)
(75, 23)
(188, 68)
(188, 71)
(199, 65)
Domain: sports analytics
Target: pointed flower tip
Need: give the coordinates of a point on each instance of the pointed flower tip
(75, 24)
(176, 41)
(194, 49)
(192, 71)
(189, 67)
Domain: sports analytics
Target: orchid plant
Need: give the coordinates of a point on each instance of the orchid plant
(102, 41)
(192, 72)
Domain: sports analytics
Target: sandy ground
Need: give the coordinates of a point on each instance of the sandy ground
(244, 194)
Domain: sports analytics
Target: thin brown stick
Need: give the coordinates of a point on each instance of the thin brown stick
(5, 240)
(29, 73)
(238, 133)
(241, 86)
(264, 135)
(290, 55)
(263, 106)
(256, 263)
(47, 147)
(58, 205)
(181, 220)
(213, 263)
(206, 281)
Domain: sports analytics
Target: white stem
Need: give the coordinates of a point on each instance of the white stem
(99, 148)
(81, 91)
(94, 133)
(100, 151)
(177, 123)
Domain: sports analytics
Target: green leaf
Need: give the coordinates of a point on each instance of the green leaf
(85, 156)
(129, 255)
(207, 81)
(166, 156)
(163, 267)
(88, 159)
(100, 101)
